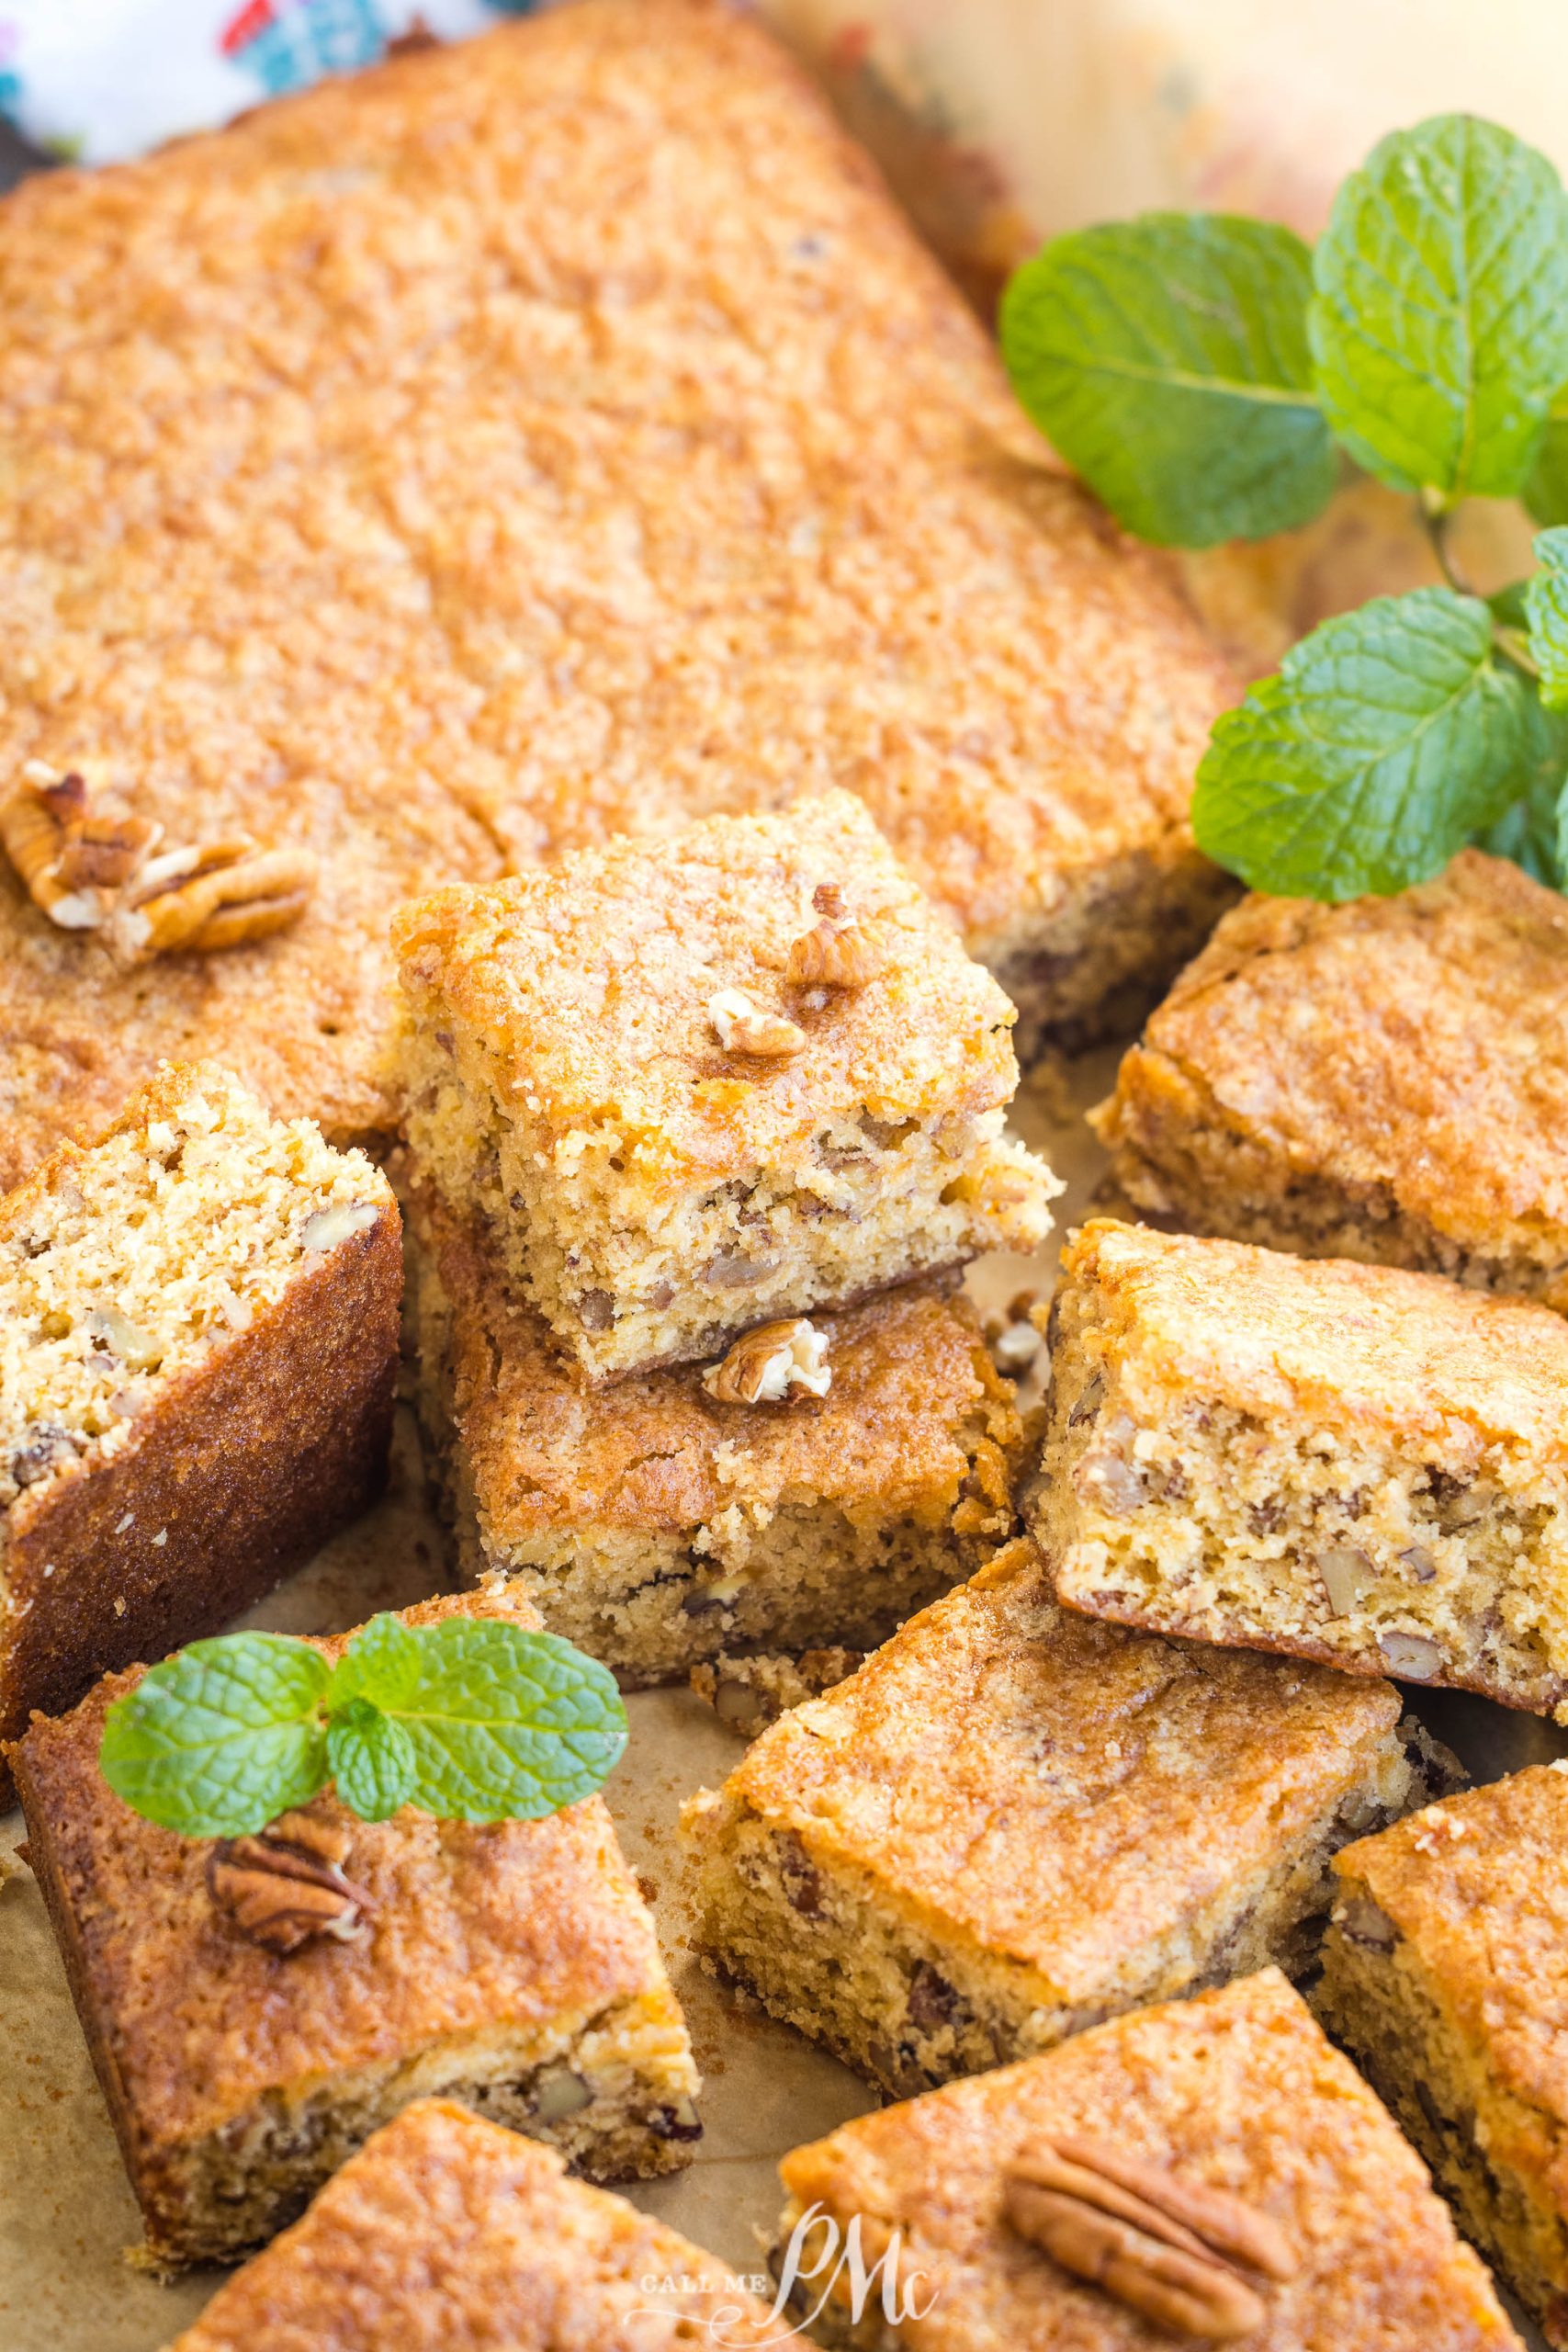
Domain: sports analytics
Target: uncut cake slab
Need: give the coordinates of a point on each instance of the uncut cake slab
(65, 2211)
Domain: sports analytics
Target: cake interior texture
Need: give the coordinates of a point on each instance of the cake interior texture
(654, 1187)
(1361, 1464)
(1010, 1825)
(511, 1966)
(656, 1526)
(126, 1264)
(1443, 1976)
(1383, 1081)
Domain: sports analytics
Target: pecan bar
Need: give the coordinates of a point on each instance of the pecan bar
(1201, 2172)
(702, 1085)
(171, 1297)
(509, 1966)
(444, 2230)
(1386, 1080)
(1343, 1462)
(1010, 1825)
(657, 1525)
(1446, 1976)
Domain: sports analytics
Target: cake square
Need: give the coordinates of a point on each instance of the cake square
(446, 2230)
(1234, 2100)
(1343, 1462)
(511, 1966)
(656, 1525)
(1010, 1825)
(1446, 1977)
(172, 1295)
(1386, 1080)
(634, 1068)
(615, 569)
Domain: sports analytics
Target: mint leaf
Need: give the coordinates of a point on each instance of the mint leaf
(1546, 486)
(1439, 326)
(381, 1663)
(1546, 611)
(372, 1760)
(507, 1724)
(1166, 360)
(1530, 832)
(1390, 737)
(222, 1739)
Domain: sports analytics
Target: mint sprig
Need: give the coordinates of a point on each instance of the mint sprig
(470, 1719)
(1198, 370)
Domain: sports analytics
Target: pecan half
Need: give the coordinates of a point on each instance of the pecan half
(834, 956)
(102, 870)
(743, 1027)
(1172, 2250)
(765, 1364)
(286, 1885)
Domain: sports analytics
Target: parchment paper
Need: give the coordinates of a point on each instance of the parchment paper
(66, 2214)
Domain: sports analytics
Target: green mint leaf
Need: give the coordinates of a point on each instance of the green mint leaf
(372, 1760)
(507, 1724)
(1530, 832)
(1546, 612)
(1390, 737)
(219, 1740)
(1167, 361)
(1546, 486)
(381, 1663)
(1440, 325)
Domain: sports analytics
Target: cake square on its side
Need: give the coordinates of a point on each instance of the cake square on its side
(1446, 1976)
(656, 1526)
(444, 2230)
(579, 1068)
(199, 1344)
(1237, 2093)
(511, 1966)
(1010, 1825)
(729, 499)
(1343, 1462)
(1386, 1080)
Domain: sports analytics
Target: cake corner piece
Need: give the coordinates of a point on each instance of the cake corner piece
(511, 1966)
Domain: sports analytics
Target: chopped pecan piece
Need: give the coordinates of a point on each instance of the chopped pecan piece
(834, 956)
(286, 1885)
(743, 1027)
(763, 1365)
(1171, 2250)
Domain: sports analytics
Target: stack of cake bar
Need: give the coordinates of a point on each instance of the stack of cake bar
(699, 1133)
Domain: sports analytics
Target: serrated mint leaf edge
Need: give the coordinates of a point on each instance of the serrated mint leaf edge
(372, 1760)
(1546, 615)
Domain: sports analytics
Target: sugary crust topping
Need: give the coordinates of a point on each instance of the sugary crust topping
(1479, 1887)
(911, 1377)
(448, 2229)
(1059, 1791)
(522, 1923)
(1414, 1046)
(709, 490)
(1237, 2089)
(591, 991)
(1403, 1358)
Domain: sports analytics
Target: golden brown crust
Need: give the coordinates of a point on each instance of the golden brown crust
(446, 2230)
(655, 1454)
(1478, 1886)
(1237, 2089)
(1396, 1071)
(1390, 1355)
(1029, 1785)
(432, 605)
(587, 993)
(475, 1926)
